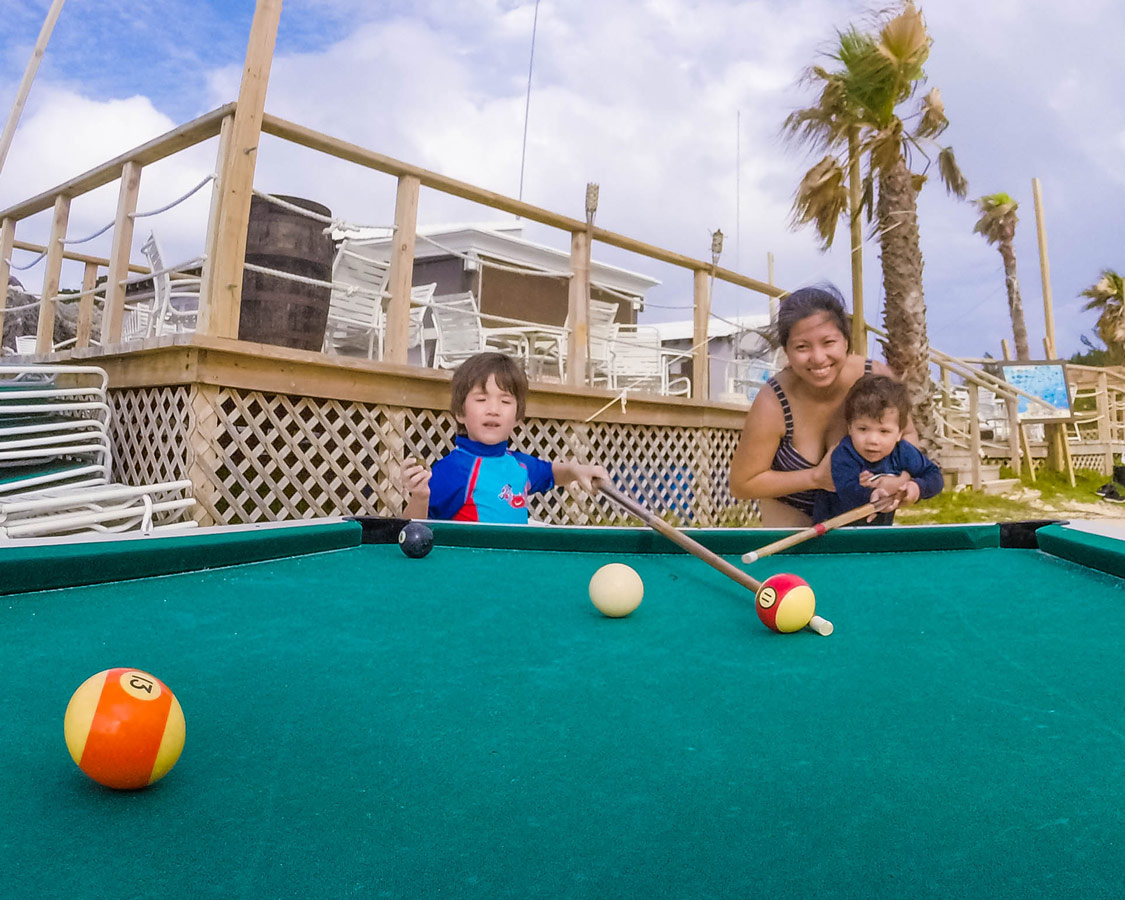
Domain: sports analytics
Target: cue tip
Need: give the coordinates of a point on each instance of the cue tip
(821, 626)
(750, 557)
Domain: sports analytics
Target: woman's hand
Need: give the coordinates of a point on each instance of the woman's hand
(822, 474)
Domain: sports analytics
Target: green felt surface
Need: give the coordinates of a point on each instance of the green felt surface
(466, 725)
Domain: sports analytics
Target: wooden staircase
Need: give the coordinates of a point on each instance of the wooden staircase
(957, 469)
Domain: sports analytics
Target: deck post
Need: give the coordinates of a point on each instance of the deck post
(46, 335)
(219, 310)
(700, 362)
(401, 275)
(7, 241)
(86, 306)
(210, 240)
(113, 314)
(205, 456)
(974, 433)
(578, 309)
(1104, 432)
(1011, 406)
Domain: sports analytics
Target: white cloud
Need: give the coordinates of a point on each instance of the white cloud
(643, 98)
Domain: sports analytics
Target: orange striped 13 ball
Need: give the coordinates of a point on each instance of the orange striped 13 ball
(124, 728)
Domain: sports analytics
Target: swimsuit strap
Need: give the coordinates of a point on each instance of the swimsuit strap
(867, 367)
(785, 410)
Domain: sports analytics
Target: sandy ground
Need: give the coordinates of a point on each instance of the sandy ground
(1073, 509)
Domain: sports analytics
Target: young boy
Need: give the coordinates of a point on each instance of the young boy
(481, 480)
(873, 460)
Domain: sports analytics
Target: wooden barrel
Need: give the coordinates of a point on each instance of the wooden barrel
(278, 310)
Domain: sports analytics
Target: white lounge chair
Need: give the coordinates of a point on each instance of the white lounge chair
(56, 460)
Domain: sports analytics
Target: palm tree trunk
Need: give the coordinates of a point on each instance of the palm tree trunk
(1015, 304)
(904, 310)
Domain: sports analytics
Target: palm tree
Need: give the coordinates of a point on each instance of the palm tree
(860, 100)
(1107, 296)
(998, 225)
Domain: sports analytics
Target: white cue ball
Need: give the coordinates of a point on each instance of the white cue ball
(616, 590)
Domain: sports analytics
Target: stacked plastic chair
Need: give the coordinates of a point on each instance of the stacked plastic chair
(56, 461)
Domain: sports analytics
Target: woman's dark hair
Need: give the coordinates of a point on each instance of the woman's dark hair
(808, 301)
(475, 372)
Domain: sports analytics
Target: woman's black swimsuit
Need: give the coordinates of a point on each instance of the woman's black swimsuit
(787, 459)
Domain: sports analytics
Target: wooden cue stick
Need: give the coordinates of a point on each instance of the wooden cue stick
(818, 624)
(852, 515)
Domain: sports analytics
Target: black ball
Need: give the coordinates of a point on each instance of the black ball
(416, 540)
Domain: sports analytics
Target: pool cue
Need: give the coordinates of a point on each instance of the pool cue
(818, 624)
(806, 534)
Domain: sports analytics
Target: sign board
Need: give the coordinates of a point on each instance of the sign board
(1044, 380)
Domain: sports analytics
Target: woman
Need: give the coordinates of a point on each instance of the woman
(783, 454)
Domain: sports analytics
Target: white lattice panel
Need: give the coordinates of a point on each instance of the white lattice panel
(257, 457)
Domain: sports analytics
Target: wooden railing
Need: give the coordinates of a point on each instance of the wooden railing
(218, 309)
(125, 169)
(224, 258)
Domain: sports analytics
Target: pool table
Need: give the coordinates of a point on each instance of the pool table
(467, 725)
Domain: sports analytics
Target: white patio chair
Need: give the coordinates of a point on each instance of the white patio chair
(355, 309)
(600, 326)
(173, 305)
(638, 362)
(460, 334)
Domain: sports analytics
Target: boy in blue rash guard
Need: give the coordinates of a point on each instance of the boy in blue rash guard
(873, 461)
(481, 480)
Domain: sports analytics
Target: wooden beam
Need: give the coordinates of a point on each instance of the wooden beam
(46, 335)
(1044, 269)
(401, 274)
(700, 356)
(578, 310)
(222, 312)
(199, 359)
(314, 140)
(221, 315)
(86, 306)
(75, 257)
(172, 142)
(113, 312)
(7, 239)
(28, 77)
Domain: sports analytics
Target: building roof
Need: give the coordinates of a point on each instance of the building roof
(503, 242)
(684, 330)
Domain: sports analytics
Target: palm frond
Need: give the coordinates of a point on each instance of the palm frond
(885, 146)
(822, 198)
(955, 181)
(933, 121)
(905, 43)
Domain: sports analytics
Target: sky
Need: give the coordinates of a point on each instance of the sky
(674, 107)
